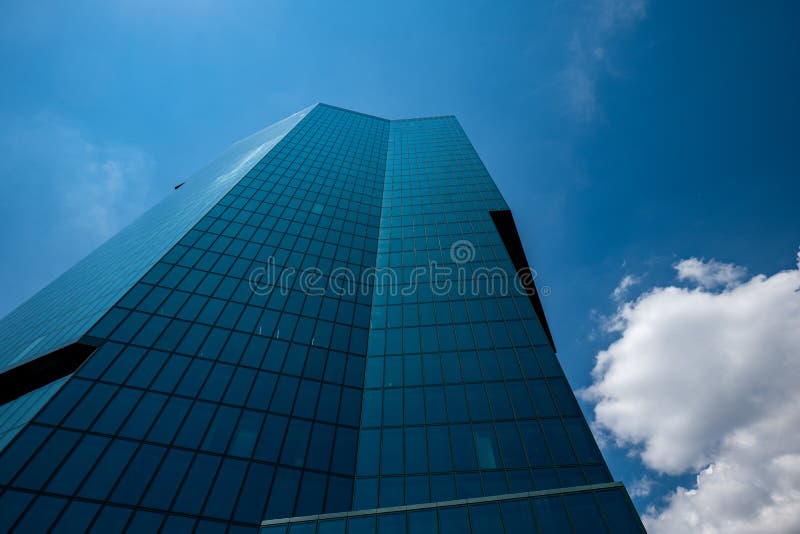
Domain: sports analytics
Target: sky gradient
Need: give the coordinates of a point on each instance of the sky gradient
(625, 135)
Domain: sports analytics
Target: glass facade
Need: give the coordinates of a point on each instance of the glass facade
(596, 509)
(324, 334)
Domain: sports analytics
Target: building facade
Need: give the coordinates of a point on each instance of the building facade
(330, 328)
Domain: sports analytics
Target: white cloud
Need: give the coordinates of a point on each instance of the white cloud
(641, 487)
(710, 274)
(707, 382)
(588, 51)
(624, 285)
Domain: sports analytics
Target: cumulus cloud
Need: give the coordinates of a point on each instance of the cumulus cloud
(710, 274)
(707, 382)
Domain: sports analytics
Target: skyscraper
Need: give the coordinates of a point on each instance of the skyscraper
(331, 327)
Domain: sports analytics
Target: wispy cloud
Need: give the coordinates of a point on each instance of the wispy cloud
(588, 51)
(91, 187)
(624, 285)
(67, 192)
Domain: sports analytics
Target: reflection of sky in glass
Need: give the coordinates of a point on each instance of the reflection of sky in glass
(14, 414)
(61, 312)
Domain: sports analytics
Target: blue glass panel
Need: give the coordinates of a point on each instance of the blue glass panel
(417, 490)
(414, 406)
(90, 406)
(44, 463)
(392, 451)
(196, 485)
(486, 518)
(144, 521)
(391, 491)
(392, 524)
(454, 520)
(133, 483)
(517, 516)
(551, 515)
(302, 528)
(269, 443)
(468, 485)
(72, 471)
(281, 502)
(368, 452)
(143, 415)
(101, 358)
(15, 456)
(255, 493)
(111, 519)
(41, 514)
(344, 453)
(332, 526)
(366, 493)
(494, 482)
(221, 429)
(486, 447)
(558, 441)
(361, 525)
(147, 369)
(535, 446)
(14, 504)
(617, 511)
(464, 452)
(582, 440)
(226, 488)
(311, 498)
(340, 491)
(63, 401)
(294, 449)
(571, 476)
(439, 448)
(176, 523)
(116, 411)
(76, 518)
(168, 479)
(584, 513)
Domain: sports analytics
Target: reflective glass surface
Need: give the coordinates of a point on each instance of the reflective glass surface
(317, 332)
(595, 510)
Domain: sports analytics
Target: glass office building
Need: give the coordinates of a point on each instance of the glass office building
(331, 328)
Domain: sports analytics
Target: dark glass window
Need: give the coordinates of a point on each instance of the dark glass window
(454, 520)
(584, 513)
(617, 511)
(550, 514)
(45, 462)
(138, 474)
(168, 479)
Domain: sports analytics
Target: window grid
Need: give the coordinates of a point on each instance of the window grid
(208, 403)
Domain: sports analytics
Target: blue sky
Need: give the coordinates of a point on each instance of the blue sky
(626, 135)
